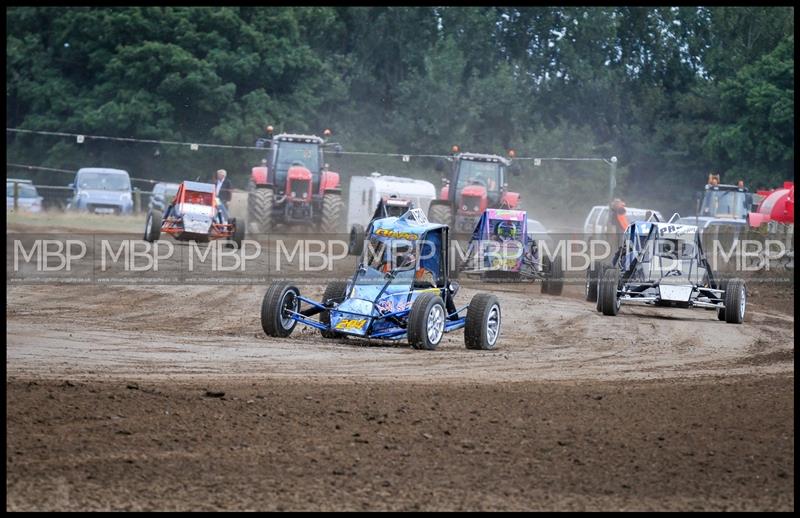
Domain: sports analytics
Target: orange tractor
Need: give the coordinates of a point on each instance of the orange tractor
(476, 182)
(293, 186)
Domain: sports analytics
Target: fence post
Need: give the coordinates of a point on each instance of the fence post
(16, 196)
(137, 200)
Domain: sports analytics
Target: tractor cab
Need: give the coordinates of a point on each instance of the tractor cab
(293, 186)
(723, 201)
(294, 164)
(477, 182)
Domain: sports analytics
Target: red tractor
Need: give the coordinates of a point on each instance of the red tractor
(477, 182)
(293, 186)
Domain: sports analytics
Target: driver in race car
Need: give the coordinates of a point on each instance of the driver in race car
(505, 231)
(408, 259)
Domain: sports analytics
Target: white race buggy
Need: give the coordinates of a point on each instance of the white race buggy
(663, 264)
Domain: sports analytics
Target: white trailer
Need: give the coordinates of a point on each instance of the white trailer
(367, 191)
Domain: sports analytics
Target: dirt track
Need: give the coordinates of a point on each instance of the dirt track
(653, 409)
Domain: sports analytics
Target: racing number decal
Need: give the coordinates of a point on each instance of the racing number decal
(349, 323)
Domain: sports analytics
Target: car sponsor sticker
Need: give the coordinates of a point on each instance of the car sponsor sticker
(385, 232)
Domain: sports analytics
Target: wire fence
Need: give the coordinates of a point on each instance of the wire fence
(560, 190)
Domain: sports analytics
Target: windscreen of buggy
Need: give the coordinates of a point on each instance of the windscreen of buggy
(504, 230)
(384, 256)
(675, 249)
(195, 202)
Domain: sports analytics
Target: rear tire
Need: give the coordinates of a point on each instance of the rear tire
(259, 209)
(426, 322)
(356, 240)
(591, 283)
(555, 285)
(735, 301)
(482, 329)
(334, 290)
(607, 296)
(332, 212)
(442, 214)
(722, 284)
(599, 273)
(280, 296)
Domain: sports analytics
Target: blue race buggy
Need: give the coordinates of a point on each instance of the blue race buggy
(501, 249)
(401, 290)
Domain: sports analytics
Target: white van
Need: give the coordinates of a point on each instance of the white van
(597, 219)
(367, 191)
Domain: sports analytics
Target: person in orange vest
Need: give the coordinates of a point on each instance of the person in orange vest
(617, 219)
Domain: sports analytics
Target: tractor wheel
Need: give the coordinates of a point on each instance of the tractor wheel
(280, 297)
(334, 290)
(607, 295)
(591, 283)
(152, 226)
(356, 240)
(441, 214)
(483, 322)
(238, 233)
(735, 301)
(332, 212)
(555, 284)
(259, 210)
(426, 322)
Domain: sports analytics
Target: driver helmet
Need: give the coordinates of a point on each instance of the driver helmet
(506, 230)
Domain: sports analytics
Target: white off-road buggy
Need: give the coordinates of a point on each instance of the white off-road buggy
(663, 264)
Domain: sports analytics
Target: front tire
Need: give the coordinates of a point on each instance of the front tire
(152, 226)
(332, 212)
(735, 301)
(607, 296)
(259, 209)
(426, 322)
(238, 233)
(280, 297)
(482, 328)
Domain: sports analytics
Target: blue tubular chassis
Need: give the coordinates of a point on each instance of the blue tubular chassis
(454, 322)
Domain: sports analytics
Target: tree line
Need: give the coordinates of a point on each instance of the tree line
(673, 92)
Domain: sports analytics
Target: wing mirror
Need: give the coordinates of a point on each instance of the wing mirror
(439, 165)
